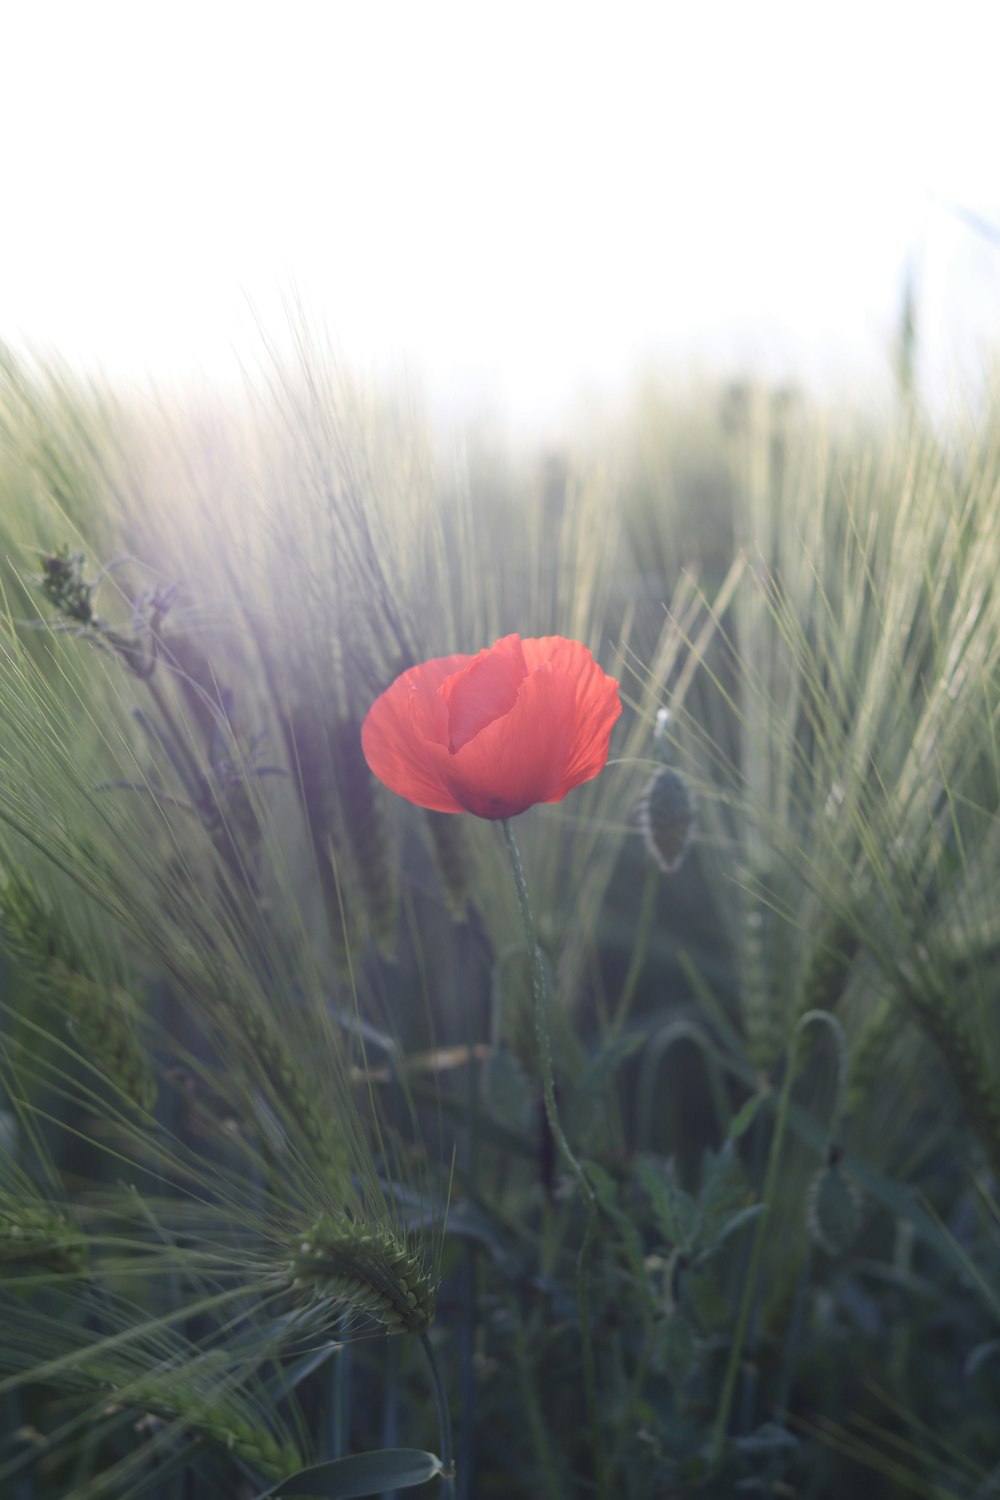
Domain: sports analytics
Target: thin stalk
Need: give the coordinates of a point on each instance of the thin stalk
(534, 1415)
(540, 992)
(794, 1336)
(444, 1422)
(793, 1339)
(627, 1422)
(467, 1415)
(750, 1285)
(390, 1416)
(640, 948)
(193, 778)
(339, 1396)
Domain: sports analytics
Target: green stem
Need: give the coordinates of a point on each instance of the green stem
(534, 1415)
(177, 739)
(794, 1336)
(540, 993)
(340, 1401)
(640, 948)
(750, 1284)
(824, 1018)
(627, 1423)
(444, 1422)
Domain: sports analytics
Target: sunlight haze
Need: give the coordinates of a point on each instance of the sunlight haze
(515, 204)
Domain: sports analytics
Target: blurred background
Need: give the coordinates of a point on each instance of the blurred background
(523, 207)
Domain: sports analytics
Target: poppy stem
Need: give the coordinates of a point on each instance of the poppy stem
(444, 1422)
(540, 994)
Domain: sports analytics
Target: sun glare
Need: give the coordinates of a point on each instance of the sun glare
(516, 205)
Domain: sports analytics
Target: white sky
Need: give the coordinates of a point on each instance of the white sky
(518, 200)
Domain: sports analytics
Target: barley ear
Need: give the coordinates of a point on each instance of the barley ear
(367, 1269)
(102, 1016)
(362, 812)
(188, 1396)
(943, 1022)
(763, 1018)
(39, 1237)
(267, 1051)
(872, 1041)
(829, 966)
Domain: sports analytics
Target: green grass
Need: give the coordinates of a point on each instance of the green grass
(250, 1002)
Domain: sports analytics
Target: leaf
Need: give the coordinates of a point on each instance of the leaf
(675, 1350)
(745, 1115)
(583, 1111)
(506, 1089)
(673, 1208)
(770, 1437)
(893, 1196)
(606, 1192)
(360, 1474)
(631, 1244)
(604, 1186)
(723, 1231)
(724, 1193)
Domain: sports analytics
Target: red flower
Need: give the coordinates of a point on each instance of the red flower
(524, 722)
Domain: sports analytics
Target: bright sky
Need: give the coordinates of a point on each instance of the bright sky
(517, 200)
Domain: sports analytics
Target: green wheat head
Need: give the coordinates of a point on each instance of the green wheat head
(102, 1014)
(36, 1237)
(198, 1397)
(367, 1270)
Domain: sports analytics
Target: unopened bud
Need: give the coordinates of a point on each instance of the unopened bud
(834, 1210)
(667, 817)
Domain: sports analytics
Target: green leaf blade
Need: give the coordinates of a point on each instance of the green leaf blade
(360, 1474)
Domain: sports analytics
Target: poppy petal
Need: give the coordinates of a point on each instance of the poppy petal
(484, 690)
(596, 705)
(516, 761)
(403, 729)
(523, 722)
(554, 737)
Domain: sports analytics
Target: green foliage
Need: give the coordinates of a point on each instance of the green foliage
(37, 1237)
(696, 1226)
(269, 1081)
(101, 1014)
(361, 1474)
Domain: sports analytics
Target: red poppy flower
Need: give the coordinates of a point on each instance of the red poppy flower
(523, 722)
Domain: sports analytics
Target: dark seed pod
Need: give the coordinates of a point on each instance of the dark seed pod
(834, 1210)
(667, 818)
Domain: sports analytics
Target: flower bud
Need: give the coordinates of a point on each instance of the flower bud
(667, 818)
(834, 1210)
